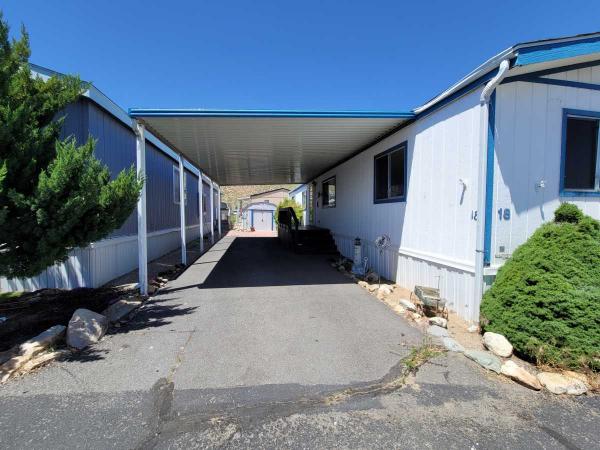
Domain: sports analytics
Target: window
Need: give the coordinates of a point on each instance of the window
(204, 202)
(303, 199)
(581, 171)
(329, 193)
(390, 175)
(176, 185)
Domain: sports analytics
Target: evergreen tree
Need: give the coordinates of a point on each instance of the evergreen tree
(54, 195)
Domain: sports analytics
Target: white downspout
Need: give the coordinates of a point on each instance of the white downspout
(484, 101)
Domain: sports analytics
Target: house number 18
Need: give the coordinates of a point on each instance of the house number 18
(504, 214)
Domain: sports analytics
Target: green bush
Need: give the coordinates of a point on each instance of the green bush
(568, 212)
(546, 298)
(286, 203)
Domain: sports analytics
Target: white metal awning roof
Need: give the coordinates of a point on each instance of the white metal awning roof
(267, 147)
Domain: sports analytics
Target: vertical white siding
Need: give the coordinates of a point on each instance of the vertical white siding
(528, 150)
(432, 233)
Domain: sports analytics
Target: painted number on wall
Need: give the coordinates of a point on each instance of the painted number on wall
(504, 214)
(474, 215)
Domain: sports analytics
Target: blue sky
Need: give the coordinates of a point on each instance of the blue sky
(322, 55)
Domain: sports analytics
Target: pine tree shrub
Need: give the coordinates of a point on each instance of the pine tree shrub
(546, 297)
(54, 195)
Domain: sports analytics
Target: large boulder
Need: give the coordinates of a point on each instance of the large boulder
(485, 359)
(452, 345)
(436, 331)
(562, 384)
(85, 328)
(511, 370)
(120, 309)
(497, 344)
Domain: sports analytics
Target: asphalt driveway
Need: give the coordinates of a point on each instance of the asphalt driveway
(254, 347)
(248, 322)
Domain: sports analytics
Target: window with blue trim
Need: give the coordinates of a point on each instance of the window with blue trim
(581, 170)
(390, 175)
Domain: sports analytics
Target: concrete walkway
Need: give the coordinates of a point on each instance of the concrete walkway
(254, 347)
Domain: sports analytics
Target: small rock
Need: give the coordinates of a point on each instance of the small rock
(408, 304)
(520, 375)
(436, 331)
(416, 316)
(484, 359)
(439, 321)
(334, 265)
(85, 328)
(399, 309)
(561, 384)
(473, 329)
(452, 345)
(372, 287)
(120, 309)
(363, 284)
(497, 344)
(341, 268)
(384, 290)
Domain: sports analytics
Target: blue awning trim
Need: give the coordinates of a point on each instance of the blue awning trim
(560, 50)
(139, 112)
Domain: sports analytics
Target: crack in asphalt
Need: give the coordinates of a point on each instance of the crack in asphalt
(231, 419)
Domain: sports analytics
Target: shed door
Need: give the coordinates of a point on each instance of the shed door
(262, 220)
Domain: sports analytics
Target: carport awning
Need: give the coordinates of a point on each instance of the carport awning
(267, 147)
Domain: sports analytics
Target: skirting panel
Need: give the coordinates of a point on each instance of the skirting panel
(456, 286)
(384, 264)
(101, 262)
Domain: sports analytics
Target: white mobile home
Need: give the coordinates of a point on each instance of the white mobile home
(480, 167)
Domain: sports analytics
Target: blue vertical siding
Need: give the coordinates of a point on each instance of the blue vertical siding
(75, 121)
(206, 207)
(115, 147)
(161, 210)
(191, 208)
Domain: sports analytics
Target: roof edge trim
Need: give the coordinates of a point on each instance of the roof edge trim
(240, 113)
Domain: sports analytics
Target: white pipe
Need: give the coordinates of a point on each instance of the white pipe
(142, 241)
(212, 214)
(481, 180)
(200, 210)
(182, 210)
(219, 208)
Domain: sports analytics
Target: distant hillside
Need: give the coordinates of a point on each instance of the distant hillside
(232, 193)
